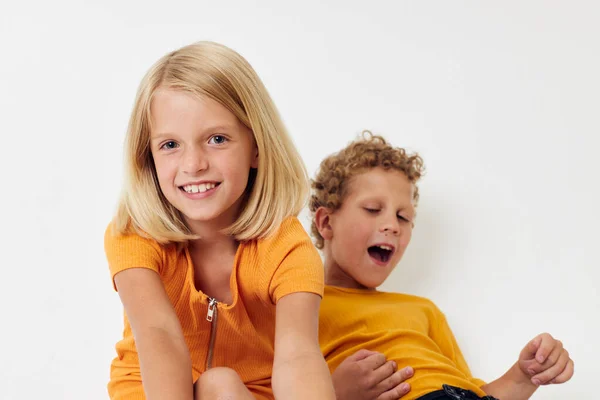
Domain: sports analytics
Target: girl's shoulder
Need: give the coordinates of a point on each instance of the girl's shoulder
(116, 237)
(290, 234)
(125, 250)
(134, 242)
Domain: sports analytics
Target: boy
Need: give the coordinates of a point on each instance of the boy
(363, 208)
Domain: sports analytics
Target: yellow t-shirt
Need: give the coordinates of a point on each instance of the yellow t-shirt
(408, 329)
(264, 271)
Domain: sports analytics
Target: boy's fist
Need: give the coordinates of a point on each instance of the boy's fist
(545, 361)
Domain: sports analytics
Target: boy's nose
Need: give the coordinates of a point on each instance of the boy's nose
(390, 226)
(391, 230)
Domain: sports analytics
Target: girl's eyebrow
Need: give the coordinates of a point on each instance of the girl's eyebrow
(162, 135)
(210, 129)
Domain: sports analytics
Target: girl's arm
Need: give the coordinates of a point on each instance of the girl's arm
(164, 357)
(299, 369)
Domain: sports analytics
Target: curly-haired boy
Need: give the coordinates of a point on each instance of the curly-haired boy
(363, 207)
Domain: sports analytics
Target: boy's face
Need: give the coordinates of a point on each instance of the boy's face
(366, 237)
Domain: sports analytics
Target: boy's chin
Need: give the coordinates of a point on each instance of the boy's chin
(369, 283)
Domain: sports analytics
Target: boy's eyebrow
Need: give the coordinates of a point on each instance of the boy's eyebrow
(407, 207)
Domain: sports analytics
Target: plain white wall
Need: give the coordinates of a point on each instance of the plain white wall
(501, 99)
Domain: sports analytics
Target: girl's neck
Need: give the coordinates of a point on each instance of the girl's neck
(215, 243)
(213, 259)
(212, 231)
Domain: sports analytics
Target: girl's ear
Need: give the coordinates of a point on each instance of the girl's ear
(323, 222)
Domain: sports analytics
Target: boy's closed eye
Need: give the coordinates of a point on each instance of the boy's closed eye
(377, 210)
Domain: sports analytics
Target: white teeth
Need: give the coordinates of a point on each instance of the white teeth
(201, 188)
(385, 247)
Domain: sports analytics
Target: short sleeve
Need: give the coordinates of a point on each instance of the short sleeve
(130, 251)
(298, 264)
(443, 336)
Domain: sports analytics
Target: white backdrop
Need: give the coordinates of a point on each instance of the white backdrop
(501, 99)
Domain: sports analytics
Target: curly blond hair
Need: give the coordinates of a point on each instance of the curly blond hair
(330, 185)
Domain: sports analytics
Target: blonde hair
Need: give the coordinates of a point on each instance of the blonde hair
(280, 185)
(330, 185)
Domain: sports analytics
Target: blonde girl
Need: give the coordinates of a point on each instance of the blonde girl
(219, 282)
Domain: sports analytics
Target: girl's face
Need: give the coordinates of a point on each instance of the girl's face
(202, 154)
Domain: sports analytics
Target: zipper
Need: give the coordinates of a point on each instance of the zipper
(211, 316)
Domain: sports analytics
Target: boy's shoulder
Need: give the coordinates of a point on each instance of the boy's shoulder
(413, 298)
(377, 297)
(387, 309)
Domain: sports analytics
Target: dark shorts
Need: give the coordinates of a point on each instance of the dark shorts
(454, 393)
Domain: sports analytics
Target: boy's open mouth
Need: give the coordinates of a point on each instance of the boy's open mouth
(381, 253)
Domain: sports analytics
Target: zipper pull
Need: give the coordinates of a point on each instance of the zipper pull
(211, 309)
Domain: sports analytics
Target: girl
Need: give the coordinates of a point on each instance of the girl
(220, 284)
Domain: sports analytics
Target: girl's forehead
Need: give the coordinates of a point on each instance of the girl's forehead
(172, 108)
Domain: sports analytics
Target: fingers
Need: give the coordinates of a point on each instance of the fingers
(528, 353)
(553, 369)
(374, 361)
(361, 355)
(395, 379)
(384, 372)
(554, 354)
(566, 374)
(396, 392)
(546, 346)
(535, 367)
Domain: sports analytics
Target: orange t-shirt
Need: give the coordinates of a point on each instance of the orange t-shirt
(410, 330)
(244, 332)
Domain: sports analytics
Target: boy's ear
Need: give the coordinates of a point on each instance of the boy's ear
(323, 222)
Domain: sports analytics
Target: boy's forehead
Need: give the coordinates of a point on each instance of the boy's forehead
(379, 182)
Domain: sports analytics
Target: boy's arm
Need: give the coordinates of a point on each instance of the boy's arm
(543, 361)
(512, 385)
(164, 357)
(299, 369)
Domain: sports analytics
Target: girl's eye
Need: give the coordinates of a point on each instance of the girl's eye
(170, 145)
(400, 217)
(371, 210)
(217, 139)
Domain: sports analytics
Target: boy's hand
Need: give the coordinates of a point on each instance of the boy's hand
(366, 375)
(544, 361)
